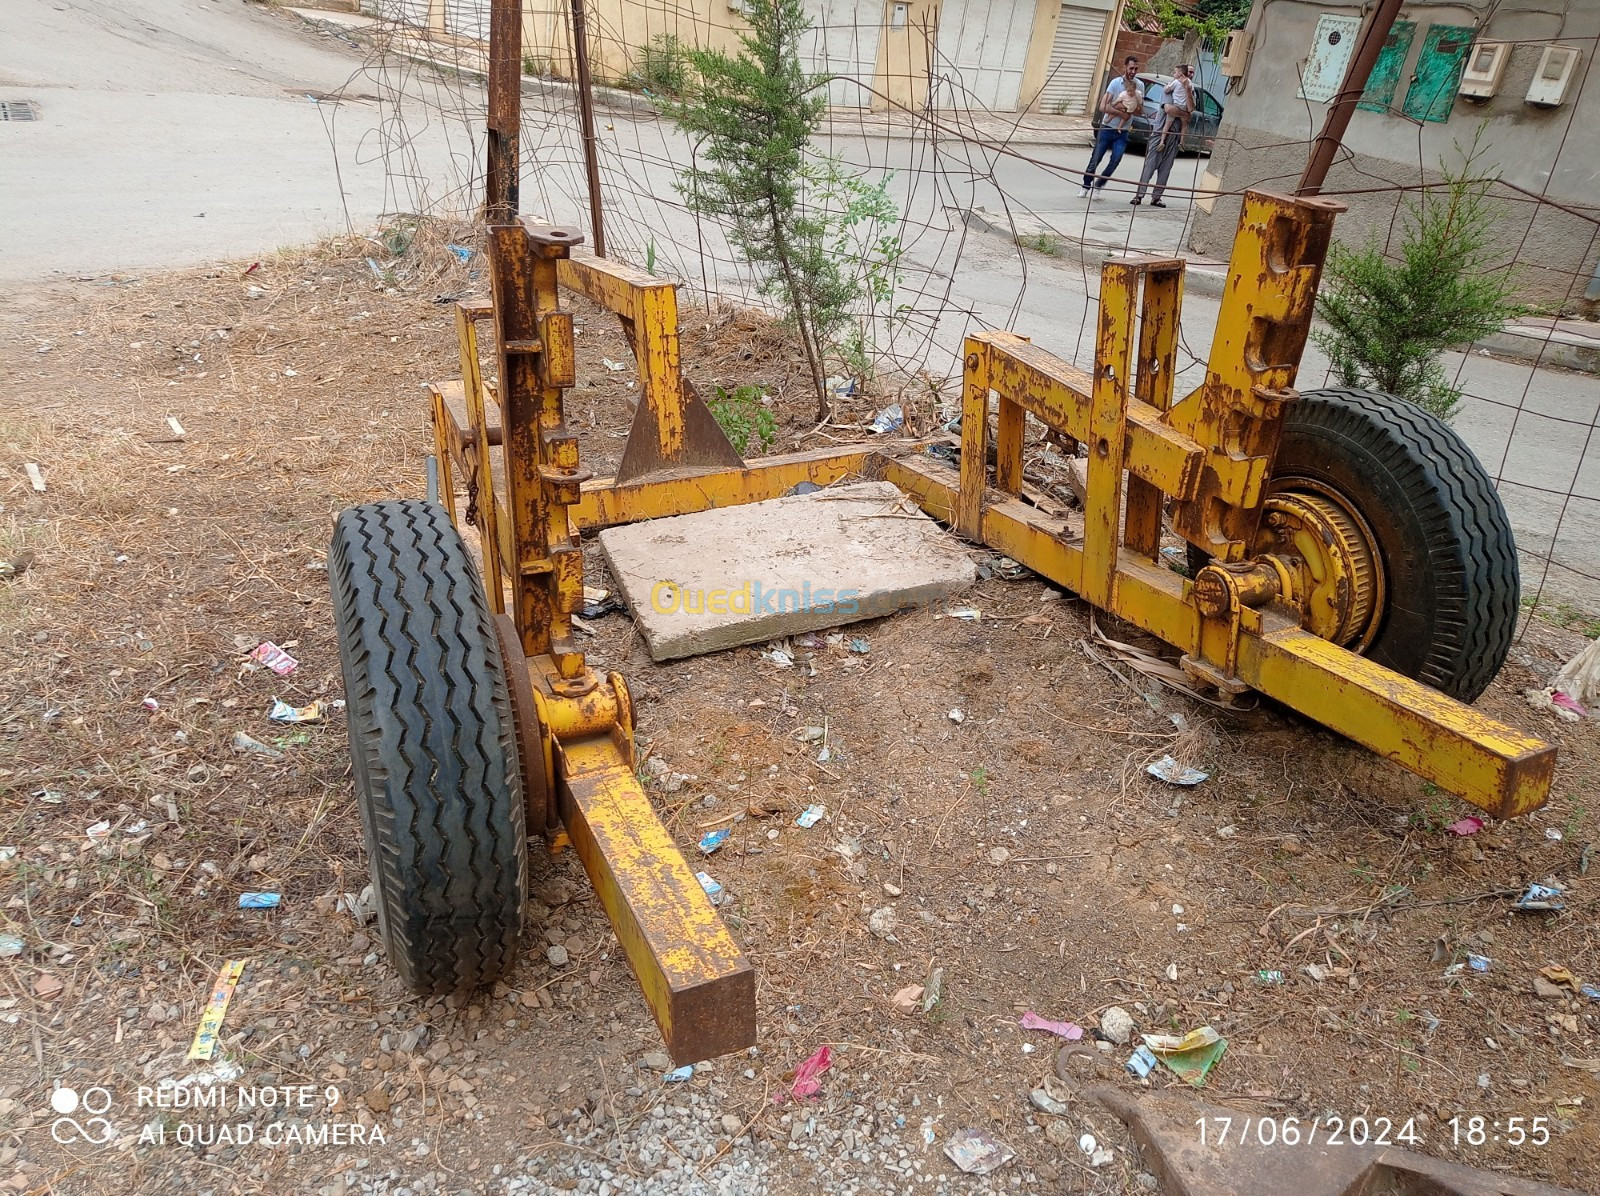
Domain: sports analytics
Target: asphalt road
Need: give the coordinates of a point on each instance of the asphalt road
(174, 132)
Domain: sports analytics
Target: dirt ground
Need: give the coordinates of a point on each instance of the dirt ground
(1023, 849)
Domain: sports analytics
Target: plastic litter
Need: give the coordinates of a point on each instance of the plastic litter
(151, 705)
(968, 614)
(977, 1153)
(259, 900)
(712, 889)
(860, 646)
(613, 366)
(810, 816)
(1068, 1030)
(243, 742)
(210, 1027)
(891, 419)
(1190, 1057)
(908, 998)
(1540, 899)
(1590, 991)
(932, 990)
(269, 655)
(1169, 770)
(282, 712)
(1470, 825)
(712, 840)
(11, 944)
(1050, 1098)
(99, 832)
(1141, 1063)
(1554, 835)
(1559, 975)
(464, 252)
(679, 1074)
(1479, 963)
(1266, 976)
(807, 1080)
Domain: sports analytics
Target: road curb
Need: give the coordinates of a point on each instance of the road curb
(1203, 278)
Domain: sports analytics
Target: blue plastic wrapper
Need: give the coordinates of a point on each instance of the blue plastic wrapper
(1479, 963)
(1540, 898)
(1142, 1062)
(679, 1074)
(890, 419)
(712, 888)
(1591, 992)
(810, 816)
(712, 840)
(259, 900)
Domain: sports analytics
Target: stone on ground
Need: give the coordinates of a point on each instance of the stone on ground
(748, 574)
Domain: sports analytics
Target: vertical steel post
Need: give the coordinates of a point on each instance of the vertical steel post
(591, 162)
(1369, 44)
(505, 111)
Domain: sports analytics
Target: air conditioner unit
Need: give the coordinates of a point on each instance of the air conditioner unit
(1236, 53)
(1480, 76)
(1557, 66)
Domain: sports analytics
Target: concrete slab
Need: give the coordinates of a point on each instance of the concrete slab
(748, 574)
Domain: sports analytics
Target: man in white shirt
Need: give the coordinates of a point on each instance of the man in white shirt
(1123, 100)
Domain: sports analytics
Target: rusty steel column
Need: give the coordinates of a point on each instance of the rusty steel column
(591, 162)
(505, 111)
(1369, 44)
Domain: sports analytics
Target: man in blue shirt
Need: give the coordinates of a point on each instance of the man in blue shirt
(1123, 100)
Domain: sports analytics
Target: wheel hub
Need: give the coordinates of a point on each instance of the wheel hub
(1332, 555)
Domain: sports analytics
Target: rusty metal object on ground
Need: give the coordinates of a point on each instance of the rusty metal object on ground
(1179, 1138)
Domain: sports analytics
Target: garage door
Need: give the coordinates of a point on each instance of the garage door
(405, 12)
(467, 18)
(843, 42)
(1075, 64)
(981, 50)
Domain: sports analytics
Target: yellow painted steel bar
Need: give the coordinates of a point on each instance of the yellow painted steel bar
(1478, 758)
(1459, 748)
(696, 982)
(1108, 407)
(615, 286)
(606, 503)
(488, 511)
(1058, 394)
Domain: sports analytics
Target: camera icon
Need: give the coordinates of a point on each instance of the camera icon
(93, 1129)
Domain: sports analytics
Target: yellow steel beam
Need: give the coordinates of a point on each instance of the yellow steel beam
(606, 503)
(1462, 750)
(1153, 383)
(1478, 758)
(615, 286)
(1108, 407)
(487, 510)
(1058, 394)
(696, 981)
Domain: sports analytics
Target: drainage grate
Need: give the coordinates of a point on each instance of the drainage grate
(18, 110)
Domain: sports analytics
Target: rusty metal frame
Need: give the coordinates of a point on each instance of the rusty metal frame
(1204, 461)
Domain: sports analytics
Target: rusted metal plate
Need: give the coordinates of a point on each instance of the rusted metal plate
(1200, 1149)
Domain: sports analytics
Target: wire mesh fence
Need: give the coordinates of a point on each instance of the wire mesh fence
(964, 150)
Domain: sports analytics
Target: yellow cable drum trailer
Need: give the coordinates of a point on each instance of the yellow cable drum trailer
(1351, 561)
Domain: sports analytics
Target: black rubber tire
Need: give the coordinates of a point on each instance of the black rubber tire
(432, 745)
(1449, 558)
